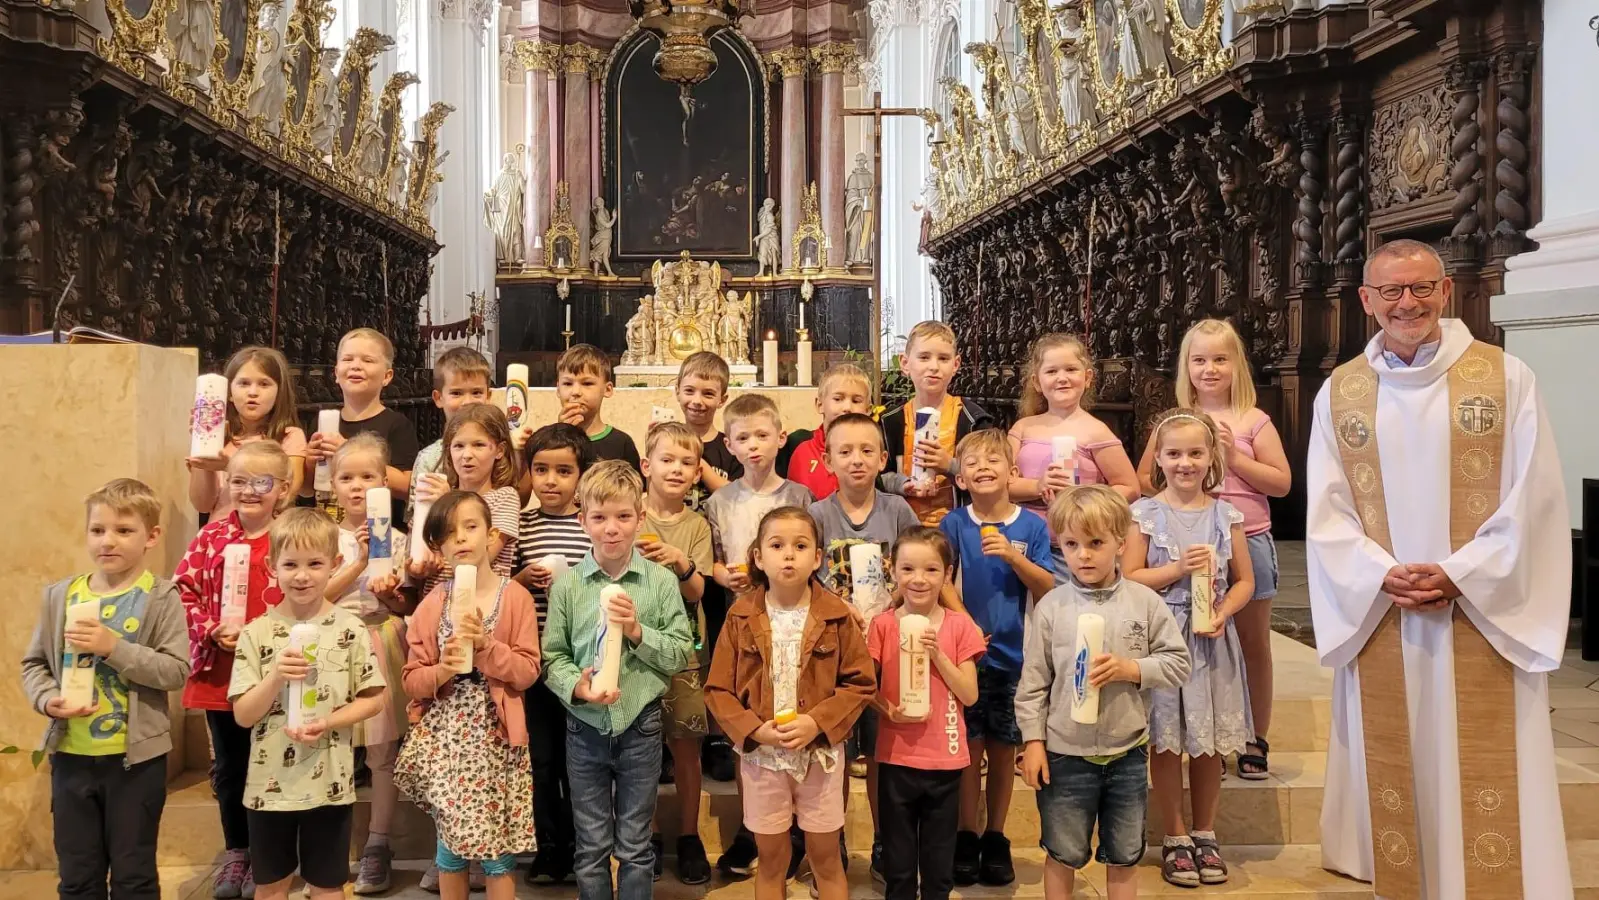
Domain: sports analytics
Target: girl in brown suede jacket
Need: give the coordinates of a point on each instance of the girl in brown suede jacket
(790, 675)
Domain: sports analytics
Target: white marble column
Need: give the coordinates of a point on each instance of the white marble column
(1550, 306)
(577, 157)
(461, 62)
(791, 62)
(539, 61)
(833, 59)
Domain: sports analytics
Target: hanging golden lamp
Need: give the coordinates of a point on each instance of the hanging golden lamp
(685, 27)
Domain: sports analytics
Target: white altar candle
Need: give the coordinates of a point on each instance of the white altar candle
(327, 423)
(769, 360)
(868, 585)
(1090, 643)
(802, 315)
(235, 584)
(568, 317)
(208, 422)
(78, 688)
(608, 643)
(926, 430)
(380, 532)
(302, 703)
(515, 397)
(463, 599)
(1202, 591)
(915, 675)
(1063, 453)
(802, 364)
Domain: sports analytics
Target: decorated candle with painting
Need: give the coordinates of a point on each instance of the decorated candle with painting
(1202, 591)
(1063, 453)
(1090, 643)
(515, 398)
(380, 532)
(868, 581)
(303, 703)
(915, 669)
(235, 584)
(208, 421)
(78, 689)
(926, 430)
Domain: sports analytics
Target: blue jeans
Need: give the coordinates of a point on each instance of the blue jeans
(614, 782)
(1081, 793)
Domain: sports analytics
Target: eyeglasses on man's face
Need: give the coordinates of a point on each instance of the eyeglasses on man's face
(1421, 290)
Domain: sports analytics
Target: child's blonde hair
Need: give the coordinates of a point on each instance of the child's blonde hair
(782, 513)
(303, 528)
(461, 362)
(269, 456)
(363, 443)
(932, 328)
(845, 370)
(705, 364)
(374, 335)
(609, 481)
(1091, 510)
(488, 417)
(283, 415)
(747, 405)
(126, 495)
(1033, 401)
(1179, 418)
(584, 359)
(676, 432)
(988, 440)
(923, 536)
(1243, 392)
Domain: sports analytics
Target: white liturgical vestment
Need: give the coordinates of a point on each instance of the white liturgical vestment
(1515, 583)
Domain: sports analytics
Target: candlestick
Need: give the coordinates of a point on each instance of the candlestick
(567, 336)
(769, 360)
(802, 356)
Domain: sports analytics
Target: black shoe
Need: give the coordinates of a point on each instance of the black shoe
(550, 867)
(659, 846)
(877, 865)
(716, 759)
(996, 868)
(796, 849)
(739, 857)
(968, 857)
(692, 866)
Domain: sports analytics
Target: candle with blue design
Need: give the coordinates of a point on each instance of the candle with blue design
(1090, 643)
(379, 532)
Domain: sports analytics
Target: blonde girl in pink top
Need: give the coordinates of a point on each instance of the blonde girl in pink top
(1214, 377)
(1057, 379)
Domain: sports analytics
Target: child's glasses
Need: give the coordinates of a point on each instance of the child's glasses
(260, 484)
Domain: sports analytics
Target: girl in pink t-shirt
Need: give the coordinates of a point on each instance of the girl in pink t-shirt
(920, 759)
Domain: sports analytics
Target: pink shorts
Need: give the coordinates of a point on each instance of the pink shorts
(773, 799)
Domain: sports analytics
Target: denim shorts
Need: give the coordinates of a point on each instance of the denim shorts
(448, 861)
(993, 716)
(1081, 793)
(1263, 560)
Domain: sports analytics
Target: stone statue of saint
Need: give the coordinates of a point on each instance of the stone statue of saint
(1143, 51)
(857, 201)
(194, 38)
(1069, 72)
(267, 92)
(369, 158)
(398, 173)
(600, 239)
(502, 211)
(768, 246)
(733, 331)
(435, 178)
(324, 106)
(641, 334)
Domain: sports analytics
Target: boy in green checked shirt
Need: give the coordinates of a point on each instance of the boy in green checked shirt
(617, 742)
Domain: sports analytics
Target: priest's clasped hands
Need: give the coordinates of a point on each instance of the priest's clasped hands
(1423, 587)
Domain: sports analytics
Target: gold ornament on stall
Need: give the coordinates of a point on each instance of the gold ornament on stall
(425, 160)
(233, 68)
(138, 32)
(809, 244)
(1198, 41)
(302, 71)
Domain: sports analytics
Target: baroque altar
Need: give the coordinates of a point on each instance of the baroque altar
(686, 312)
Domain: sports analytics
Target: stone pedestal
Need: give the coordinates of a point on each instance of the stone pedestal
(76, 417)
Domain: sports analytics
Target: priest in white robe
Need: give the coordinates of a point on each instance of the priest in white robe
(1510, 577)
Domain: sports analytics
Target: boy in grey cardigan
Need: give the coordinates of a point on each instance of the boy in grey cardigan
(108, 759)
(1093, 773)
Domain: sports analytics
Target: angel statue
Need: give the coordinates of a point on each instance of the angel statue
(641, 334)
(733, 331)
(397, 174)
(267, 93)
(600, 240)
(502, 211)
(324, 107)
(768, 246)
(193, 34)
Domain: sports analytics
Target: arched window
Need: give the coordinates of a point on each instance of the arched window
(946, 63)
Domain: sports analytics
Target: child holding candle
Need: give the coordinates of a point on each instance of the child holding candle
(613, 737)
(461, 376)
(108, 755)
(1184, 534)
(258, 482)
(930, 362)
(466, 758)
(300, 792)
(1214, 378)
(787, 711)
(844, 390)
(479, 459)
(1002, 558)
(582, 382)
(364, 367)
(679, 538)
(1055, 384)
(920, 758)
(359, 466)
(261, 406)
(1089, 775)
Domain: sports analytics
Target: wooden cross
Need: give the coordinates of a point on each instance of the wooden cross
(877, 111)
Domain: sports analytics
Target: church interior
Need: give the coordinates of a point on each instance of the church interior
(791, 185)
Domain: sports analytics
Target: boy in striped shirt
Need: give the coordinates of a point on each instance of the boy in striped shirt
(557, 456)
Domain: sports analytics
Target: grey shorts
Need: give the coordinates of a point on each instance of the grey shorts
(1263, 560)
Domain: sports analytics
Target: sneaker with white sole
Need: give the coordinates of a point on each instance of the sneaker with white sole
(376, 871)
(247, 892)
(430, 879)
(230, 878)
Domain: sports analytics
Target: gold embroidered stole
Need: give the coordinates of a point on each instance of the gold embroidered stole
(1484, 683)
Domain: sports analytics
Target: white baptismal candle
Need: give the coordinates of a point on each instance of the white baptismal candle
(78, 688)
(915, 669)
(497, 397)
(419, 547)
(208, 421)
(868, 586)
(463, 599)
(608, 643)
(926, 430)
(301, 703)
(380, 532)
(555, 564)
(1202, 591)
(327, 422)
(1063, 452)
(515, 395)
(1090, 643)
(235, 584)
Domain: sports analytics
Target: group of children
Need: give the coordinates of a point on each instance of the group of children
(727, 565)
